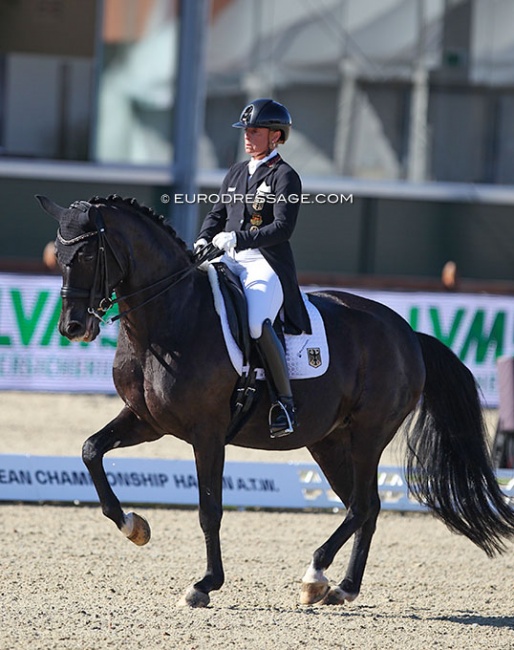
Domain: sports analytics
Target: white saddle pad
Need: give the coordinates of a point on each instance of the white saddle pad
(307, 354)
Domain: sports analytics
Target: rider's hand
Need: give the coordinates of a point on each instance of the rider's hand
(225, 241)
(199, 244)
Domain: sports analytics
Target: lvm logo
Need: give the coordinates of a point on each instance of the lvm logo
(30, 318)
(474, 334)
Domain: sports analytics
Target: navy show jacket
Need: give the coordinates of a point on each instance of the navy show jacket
(262, 211)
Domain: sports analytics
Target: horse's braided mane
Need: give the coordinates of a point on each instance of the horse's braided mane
(115, 199)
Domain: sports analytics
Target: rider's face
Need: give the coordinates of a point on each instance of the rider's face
(260, 141)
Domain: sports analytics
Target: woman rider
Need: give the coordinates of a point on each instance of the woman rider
(252, 223)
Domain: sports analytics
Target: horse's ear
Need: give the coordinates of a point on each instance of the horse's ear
(56, 211)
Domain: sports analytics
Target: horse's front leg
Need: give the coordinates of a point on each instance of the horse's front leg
(124, 431)
(209, 467)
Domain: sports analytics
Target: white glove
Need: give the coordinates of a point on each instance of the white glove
(199, 244)
(225, 241)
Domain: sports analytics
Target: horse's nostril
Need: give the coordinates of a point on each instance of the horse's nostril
(74, 328)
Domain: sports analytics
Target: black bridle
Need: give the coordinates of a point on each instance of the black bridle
(101, 284)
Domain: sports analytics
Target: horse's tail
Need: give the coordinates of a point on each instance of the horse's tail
(449, 466)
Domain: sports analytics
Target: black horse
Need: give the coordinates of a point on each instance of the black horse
(174, 375)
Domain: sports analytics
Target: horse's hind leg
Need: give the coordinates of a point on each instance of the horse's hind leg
(355, 482)
(124, 431)
(349, 588)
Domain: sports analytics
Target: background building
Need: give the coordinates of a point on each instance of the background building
(402, 105)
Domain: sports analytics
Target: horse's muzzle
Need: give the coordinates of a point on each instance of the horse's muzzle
(84, 330)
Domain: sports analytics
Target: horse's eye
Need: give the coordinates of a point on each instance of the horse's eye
(86, 257)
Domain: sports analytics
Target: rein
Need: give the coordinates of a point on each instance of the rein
(101, 277)
(207, 253)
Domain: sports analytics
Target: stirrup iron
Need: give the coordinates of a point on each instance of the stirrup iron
(281, 421)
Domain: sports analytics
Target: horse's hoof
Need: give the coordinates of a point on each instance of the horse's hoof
(194, 598)
(336, 596)
(350, 597)
(136, 529)
(313, 592)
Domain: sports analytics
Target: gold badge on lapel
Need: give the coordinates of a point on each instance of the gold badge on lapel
(258, 202)
(256, 220)
(260, 198)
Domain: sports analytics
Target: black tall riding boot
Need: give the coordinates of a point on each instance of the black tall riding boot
(282, 419)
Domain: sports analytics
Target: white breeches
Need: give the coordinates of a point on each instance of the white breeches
(263, 291)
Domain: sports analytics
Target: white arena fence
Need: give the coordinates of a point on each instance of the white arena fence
(302, 486)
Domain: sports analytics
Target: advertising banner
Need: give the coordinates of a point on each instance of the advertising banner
(33, 356)
(478, 328)
(151, 481)
(64, 479)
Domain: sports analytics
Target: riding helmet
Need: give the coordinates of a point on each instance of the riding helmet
(266, 113)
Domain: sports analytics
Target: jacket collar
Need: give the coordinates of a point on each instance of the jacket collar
(263, 170)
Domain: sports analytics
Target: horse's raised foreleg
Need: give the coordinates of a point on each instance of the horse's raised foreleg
(125, 430)
(209, 467)
(356, 484)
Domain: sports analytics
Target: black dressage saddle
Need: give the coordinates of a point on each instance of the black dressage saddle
(236, 308)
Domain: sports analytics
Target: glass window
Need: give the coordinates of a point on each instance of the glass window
(381, 89)
(136, 81)
(344, 69)
(47, 64)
